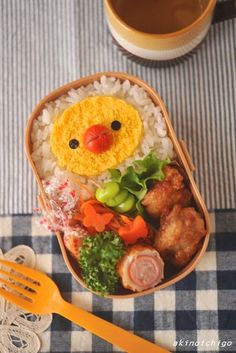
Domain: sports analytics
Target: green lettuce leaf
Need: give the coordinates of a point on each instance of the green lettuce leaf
(136, 179)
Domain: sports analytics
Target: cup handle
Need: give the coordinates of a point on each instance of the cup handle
(224, 11)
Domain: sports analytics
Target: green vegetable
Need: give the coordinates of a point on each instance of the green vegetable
(109, 190)
(119, 198)
(127, 205)
(99, 256)
(113, 196)
(137, 178)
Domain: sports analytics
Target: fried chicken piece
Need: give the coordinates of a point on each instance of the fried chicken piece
(165, 194)
(179, 235)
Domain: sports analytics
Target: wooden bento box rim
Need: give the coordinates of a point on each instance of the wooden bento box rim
(179, 148)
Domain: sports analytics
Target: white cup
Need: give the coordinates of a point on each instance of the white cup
(159, 47)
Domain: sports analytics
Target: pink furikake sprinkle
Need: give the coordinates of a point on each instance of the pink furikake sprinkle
(62, 199)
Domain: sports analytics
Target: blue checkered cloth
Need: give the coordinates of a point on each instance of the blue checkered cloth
(198, 314)
(45, 44)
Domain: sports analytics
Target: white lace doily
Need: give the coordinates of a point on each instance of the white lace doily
(19, 329)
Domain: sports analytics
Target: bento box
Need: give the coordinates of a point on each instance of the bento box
(116, 185)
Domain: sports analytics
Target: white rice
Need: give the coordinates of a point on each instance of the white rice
(154, 128)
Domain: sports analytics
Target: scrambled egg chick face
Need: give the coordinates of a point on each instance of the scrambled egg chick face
(95, 134)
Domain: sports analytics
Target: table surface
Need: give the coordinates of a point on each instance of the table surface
(201, 308)
(45, 44)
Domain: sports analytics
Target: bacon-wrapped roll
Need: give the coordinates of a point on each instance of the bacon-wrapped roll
(141, 268)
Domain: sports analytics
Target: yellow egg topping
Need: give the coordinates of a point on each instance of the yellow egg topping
(80, 150)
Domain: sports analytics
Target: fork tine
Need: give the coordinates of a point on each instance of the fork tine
(19, 301)
(20, 290)
(20, 280)
(24, 270)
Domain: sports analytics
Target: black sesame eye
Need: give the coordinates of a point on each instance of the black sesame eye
(74, 144)
(115, 125)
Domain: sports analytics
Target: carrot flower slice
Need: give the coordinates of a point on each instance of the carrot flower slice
(133, 230)
(95, 220)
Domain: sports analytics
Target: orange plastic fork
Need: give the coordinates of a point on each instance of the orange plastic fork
(37, 293)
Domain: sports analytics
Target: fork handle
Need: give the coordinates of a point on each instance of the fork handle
(109, 332)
